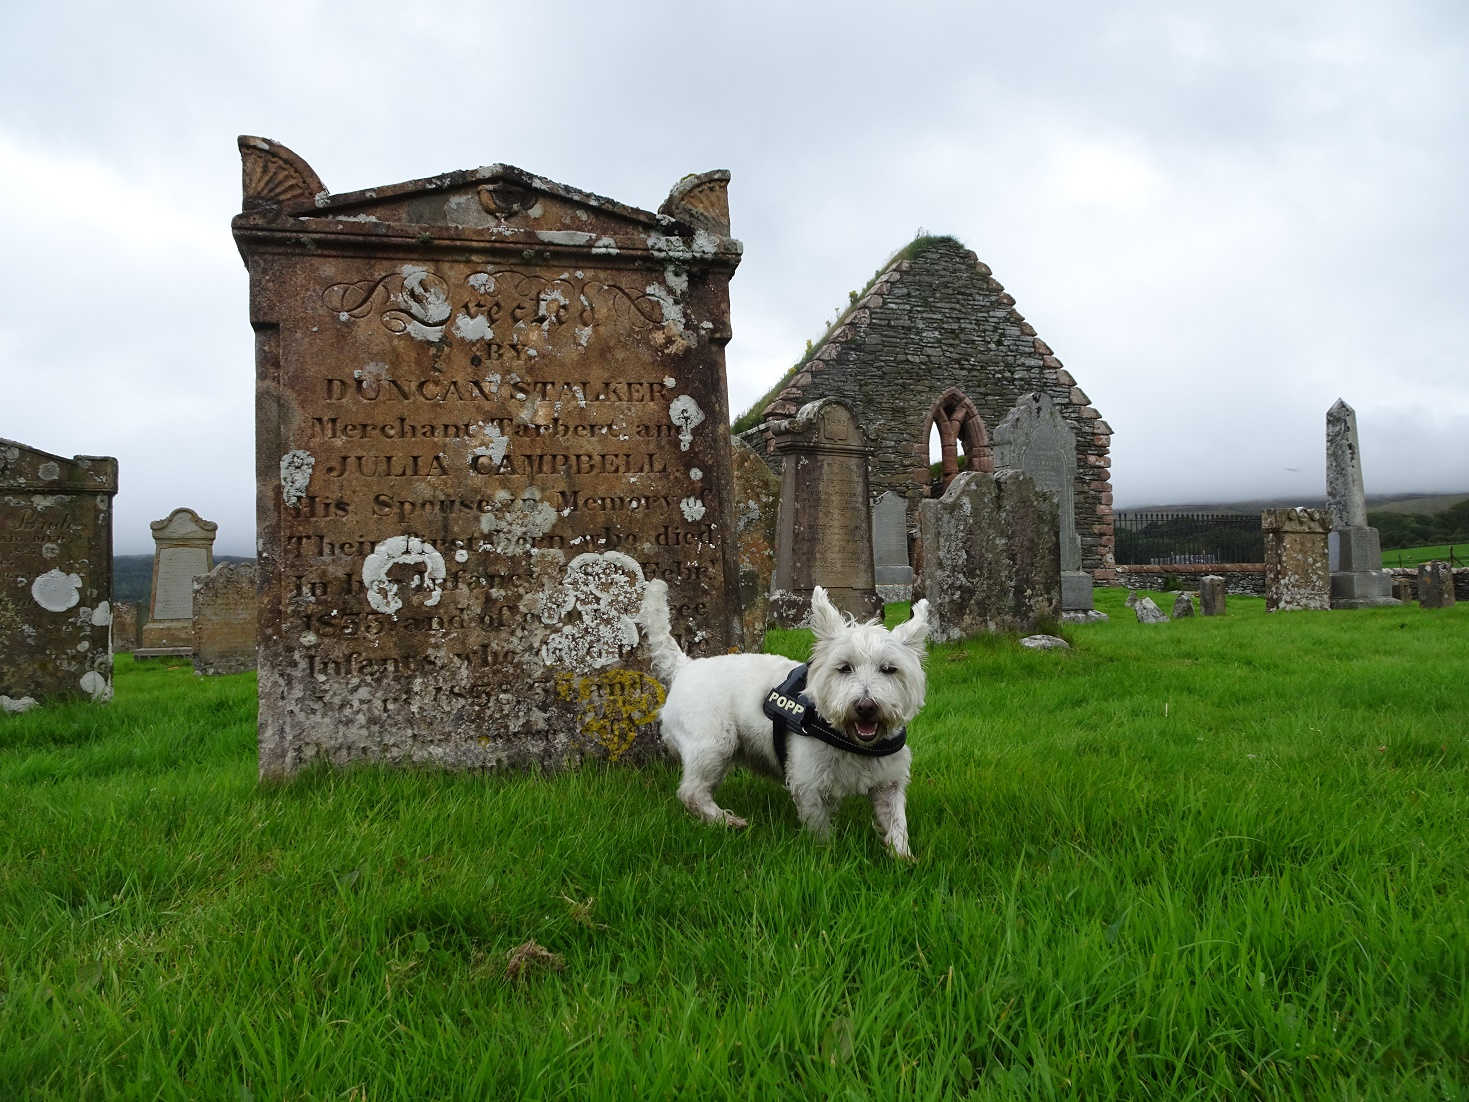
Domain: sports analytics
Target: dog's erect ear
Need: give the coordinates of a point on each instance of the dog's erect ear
(826, 621)
(912, 632)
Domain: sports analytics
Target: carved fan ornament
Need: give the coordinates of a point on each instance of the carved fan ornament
(702, 200)
(272, 174)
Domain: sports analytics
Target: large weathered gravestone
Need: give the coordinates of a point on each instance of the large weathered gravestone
(183, 549)
(1435, 585)
(225, 617)
(890, 540)
(757, 510)
(990, 557)
(489, 408)
(55, 575)
(1035, 438)
(825, 532)
(1354, 550)
(1296, 575)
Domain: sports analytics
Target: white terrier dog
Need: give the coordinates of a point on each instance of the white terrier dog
(845, 737)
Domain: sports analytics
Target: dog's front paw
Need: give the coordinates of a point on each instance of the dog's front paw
(901, 851)
(734, 822)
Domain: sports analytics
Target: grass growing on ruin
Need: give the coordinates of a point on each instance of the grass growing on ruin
(1212, 858)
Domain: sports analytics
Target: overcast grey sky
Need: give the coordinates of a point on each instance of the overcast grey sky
(1221, 217)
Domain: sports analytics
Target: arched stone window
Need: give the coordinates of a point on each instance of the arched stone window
(960, 427)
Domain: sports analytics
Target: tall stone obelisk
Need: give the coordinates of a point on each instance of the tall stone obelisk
(1354, 549)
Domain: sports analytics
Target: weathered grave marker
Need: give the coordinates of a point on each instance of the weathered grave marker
(183, 549)
(1036, 439)
(1212, 595)
(990, 557)
(1435, 585)
(825, 531)
(890, 540)
(1354, 549)
(757, 511)
(126, 631)
(1296, 575)
(225, 617)
(56, 585)
(489, 408)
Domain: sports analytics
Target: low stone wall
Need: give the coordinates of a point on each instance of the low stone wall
(1239, 577)
(1461, 580)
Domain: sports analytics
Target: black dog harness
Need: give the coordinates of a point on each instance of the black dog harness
(792, 713)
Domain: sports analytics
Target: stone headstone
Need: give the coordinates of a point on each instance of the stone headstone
(990, 558)
(1296, 575)
(183, 549)
(890, 540)
(825, 531)
(490, 408)
(1354, 550)
(225, 615)
(1212, 595)
(1183, 606)
(1147, 611)
(1404, 589)
(1435, 585)
(55, 575)
(1036, 439)
(757, 510)
(126, 631)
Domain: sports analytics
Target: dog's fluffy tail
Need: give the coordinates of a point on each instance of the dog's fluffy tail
(667, 656)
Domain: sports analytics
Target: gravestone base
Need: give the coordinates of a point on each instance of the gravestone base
(1090, 616)
(888, 593)
(1076, 591)
(894, 575)
(1357, 577)
(1362, 589)
(144, 653)
(172, 636)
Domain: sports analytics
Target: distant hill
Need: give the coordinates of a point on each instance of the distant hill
(132, 577)
(1393, 503)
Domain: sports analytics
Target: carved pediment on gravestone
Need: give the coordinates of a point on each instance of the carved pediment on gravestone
(500, 203)
(183, 525)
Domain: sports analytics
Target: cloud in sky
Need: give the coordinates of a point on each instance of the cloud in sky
(1221, 219)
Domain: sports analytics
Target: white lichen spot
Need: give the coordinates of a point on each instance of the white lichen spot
(515, 523)
(13, 706)
(57, 592)
(461, 555)
(397, 554)
(564, 237)
(482, 282)
(49, 471)
(376, 371)
(696, 474)
(605, 590)
(583, 335)
(498, 445)
(684, 412)
(96, 686)
(692, 508)
(309, 639)
(670, 382)
(84, 646)
(604, 246)
(536, 210)
(492, 381)
(426, 301)
(705, 242)
(677, 279)
(50, 550)
(296, 468)
(102, 615)
(672, 311)
(473, 328)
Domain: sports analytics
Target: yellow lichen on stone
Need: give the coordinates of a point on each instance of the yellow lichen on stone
(614, 705)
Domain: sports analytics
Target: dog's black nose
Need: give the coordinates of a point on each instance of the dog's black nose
(866, 709)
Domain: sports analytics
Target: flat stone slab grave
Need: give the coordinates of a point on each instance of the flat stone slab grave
(490, 408)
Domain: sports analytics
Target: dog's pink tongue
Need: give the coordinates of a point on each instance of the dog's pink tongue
(866, 730)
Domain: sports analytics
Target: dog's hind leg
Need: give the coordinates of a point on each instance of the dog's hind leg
(701, 775)
(890, 817)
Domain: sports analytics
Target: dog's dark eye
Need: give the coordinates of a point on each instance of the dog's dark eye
(889, 669)
(845, 667)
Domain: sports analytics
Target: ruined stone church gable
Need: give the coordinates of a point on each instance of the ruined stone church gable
(936, 319)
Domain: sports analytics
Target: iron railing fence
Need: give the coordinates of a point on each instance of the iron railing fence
(1173, 539)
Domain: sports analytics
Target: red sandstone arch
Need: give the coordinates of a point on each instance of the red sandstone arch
(957, 420)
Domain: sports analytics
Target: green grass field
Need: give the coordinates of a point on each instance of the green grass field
(1209, 859)
(1413, 556)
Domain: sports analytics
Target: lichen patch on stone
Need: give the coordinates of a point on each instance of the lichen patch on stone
(296, 468)
(684, 412)
(55, 591)
(423, 562)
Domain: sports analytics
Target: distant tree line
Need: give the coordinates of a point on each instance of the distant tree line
(1421, 529)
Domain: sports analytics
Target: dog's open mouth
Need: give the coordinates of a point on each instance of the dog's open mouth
(864, 730)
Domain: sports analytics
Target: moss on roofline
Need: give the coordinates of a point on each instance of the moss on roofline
(752, 416)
